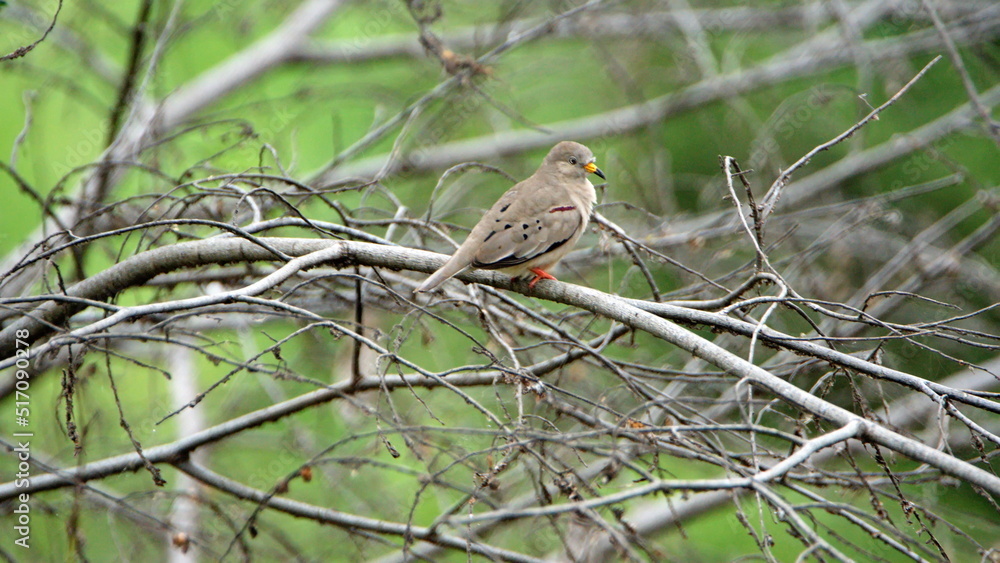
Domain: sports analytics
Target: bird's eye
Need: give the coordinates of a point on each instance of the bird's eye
(572, 160)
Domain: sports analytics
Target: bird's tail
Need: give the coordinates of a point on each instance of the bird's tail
(450, 268)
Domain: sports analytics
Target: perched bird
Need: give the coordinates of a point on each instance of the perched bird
(534, 224)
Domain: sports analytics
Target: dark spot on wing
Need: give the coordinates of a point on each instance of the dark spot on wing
(525, 237)
(524, 226)
(489, 235)
(504, 208)
(507, 226)
(562, 208)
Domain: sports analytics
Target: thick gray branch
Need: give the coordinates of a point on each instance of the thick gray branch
(343, 253)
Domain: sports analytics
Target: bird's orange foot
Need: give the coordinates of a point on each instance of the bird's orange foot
(540, 274)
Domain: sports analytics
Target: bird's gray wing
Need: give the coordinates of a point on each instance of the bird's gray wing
(512, 242)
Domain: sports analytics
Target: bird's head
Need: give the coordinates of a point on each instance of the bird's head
(572, 160)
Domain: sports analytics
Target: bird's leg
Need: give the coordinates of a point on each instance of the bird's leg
(540, 274)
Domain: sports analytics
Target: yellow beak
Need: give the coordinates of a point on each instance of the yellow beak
(593, 169)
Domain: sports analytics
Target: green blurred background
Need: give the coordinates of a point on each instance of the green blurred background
(663, 178)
